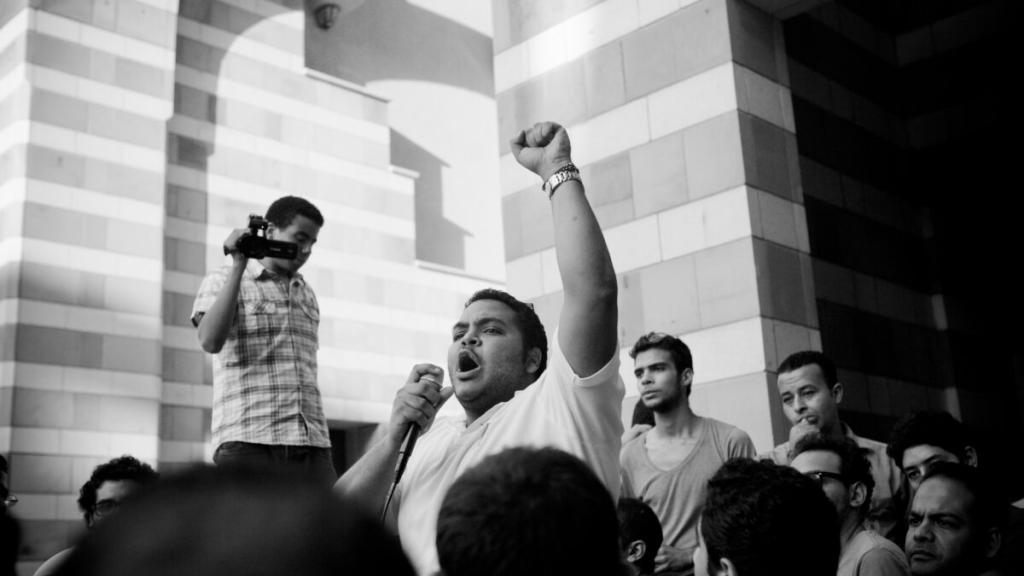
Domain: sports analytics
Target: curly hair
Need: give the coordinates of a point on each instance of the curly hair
(119, 469)
(854, 465)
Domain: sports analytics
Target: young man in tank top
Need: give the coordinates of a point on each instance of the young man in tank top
(668, 466)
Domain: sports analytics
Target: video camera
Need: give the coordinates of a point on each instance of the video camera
(257, 245)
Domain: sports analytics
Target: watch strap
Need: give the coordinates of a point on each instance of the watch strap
(561, 176)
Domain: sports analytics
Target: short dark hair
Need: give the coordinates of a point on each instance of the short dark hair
(681, 357)
(119, 469)
(798, 360)
(285, 209)
(750, 503)
(238, 521)
(854, 465)
(638, 522)
(929, 428)
(529, 323)
(528, 511)
(991, 505)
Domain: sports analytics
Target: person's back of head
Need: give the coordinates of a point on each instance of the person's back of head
(236, 521)
(640, 534)
(528, 512)
(761, 518)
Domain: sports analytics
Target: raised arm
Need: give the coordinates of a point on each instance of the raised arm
(587, 332)
(215, 323)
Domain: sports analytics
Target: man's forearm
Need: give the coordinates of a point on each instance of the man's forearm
(368, 480)
(589, 312)
(583, 260)
(216, 322)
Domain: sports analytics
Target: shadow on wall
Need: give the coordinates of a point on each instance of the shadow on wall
(383, 40)
(446, 244)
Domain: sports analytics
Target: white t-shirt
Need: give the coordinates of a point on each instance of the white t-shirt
(578, 415)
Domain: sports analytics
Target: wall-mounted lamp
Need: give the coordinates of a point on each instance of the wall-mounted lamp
(326, 14)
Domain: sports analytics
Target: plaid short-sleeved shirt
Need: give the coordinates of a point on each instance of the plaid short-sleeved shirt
(265, 377)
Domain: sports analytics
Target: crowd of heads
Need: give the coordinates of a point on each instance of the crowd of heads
(542, 511)
(535, 511)
(235, 521)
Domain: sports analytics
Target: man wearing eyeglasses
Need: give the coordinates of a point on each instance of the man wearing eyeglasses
(101, 496)
(844, 473)
(668, 466)
(810, 392)
(512, 392)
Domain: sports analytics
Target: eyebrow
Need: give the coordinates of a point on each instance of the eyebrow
(484, 320)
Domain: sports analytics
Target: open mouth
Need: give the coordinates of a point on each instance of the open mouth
(467, 362)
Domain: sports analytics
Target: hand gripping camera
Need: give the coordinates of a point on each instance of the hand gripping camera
(257, 245)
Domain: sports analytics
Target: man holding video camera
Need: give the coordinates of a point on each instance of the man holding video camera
(259, 318)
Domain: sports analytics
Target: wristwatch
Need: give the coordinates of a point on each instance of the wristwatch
(562, 175)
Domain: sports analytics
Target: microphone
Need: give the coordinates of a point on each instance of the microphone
(404, 452)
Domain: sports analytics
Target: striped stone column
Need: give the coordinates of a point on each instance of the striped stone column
(681, 119)
(85, 92)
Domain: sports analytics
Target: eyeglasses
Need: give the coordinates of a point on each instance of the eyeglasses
(820, 475)
(106, 507)
(10, 500)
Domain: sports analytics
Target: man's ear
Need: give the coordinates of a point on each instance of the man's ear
(725, 568)
(993, 541)
(686, 378)
(635, 551)
(972, 456)
(533, 360)
(837, 392)
(858, 494)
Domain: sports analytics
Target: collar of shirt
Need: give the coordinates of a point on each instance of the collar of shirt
(257, 271)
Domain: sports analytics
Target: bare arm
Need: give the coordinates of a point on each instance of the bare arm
(417, 402)
(587, 326)
(215, 323)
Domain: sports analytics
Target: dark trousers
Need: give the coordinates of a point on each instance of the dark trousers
(309, 460)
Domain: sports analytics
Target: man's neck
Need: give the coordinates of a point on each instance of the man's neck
(850, 526)
(270, 265)
(677, 422)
